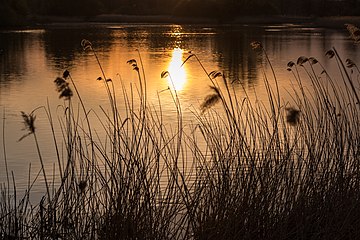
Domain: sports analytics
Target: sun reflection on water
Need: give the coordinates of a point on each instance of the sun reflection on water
(177, 72)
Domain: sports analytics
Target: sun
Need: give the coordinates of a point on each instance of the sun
(178, 77)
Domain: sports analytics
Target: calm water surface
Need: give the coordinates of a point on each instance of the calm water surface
(31, 59)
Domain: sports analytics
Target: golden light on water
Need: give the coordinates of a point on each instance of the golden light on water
(177, 72)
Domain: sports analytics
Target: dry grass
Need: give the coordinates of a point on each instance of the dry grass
(261, 172)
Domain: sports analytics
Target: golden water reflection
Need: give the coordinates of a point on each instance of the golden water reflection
(178, 76)
(30, 60)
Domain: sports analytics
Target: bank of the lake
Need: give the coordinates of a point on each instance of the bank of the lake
(315, 21)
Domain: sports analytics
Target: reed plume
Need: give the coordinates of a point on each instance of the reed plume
(211, 99)
(292, 116)
(62, 86)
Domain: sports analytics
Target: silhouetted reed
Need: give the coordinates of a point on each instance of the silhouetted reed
(211, 99)
(244, 170)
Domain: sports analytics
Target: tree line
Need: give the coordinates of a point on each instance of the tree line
(15, 11)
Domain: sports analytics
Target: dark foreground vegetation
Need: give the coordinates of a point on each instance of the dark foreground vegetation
(243, 170)
(24, 12)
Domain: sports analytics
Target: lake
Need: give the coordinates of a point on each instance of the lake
(31, 59)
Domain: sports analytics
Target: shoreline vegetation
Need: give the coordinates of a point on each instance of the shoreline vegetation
(20, 12)
(328, 22)
(267, 170)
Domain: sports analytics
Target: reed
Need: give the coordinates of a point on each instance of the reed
(244, 170)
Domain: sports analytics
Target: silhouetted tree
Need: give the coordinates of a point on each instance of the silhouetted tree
(13, 12)
(74, 8)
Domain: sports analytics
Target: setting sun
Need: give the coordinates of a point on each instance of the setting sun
(177, 72)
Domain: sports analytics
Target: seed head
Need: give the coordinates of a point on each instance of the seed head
(29, 124)
(211, 99)
(330, 54)
(82, 185)
(301, 60)
(291, 64)
(215, 74)
(66, 74)
(62, 86)
(255, 45)
(350, 63)
(86, 44)
(66, 93)
(164, 74)
(133, 63)
(29, 120)
(292, 116)
(313, 60)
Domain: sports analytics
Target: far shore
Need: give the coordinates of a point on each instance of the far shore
(329, 22)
